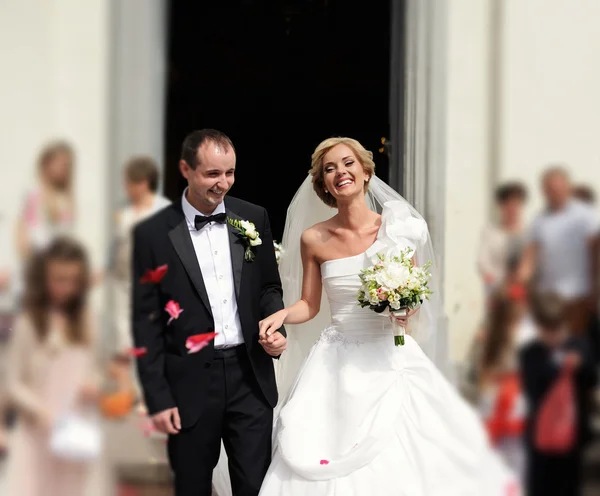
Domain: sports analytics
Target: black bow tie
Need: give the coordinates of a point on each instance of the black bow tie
(200, 220)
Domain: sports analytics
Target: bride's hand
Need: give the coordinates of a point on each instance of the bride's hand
(269, 337)
(402, 320)
(267, 327)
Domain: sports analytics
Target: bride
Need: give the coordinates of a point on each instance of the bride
(359, 415)
(364, 416)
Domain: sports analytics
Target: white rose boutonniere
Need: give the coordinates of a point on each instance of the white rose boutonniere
(278, 251)
(247, 231)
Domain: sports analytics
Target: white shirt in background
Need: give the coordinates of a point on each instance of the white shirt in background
(211, 244)
(120, 263)
(496, 247)
(526, 331)
(562, 239)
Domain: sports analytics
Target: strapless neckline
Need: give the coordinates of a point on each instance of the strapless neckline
(345, 258)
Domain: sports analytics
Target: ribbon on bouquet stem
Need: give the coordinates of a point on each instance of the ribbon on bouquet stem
(399, 330)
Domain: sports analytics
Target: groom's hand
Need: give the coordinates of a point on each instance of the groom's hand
(167, 421)
(274, 344)
(268, 333)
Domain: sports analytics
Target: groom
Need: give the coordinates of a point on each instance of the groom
(221, 284)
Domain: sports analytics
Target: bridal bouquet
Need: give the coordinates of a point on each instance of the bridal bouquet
(395, 284)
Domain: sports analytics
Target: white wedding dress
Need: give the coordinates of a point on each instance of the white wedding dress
(367, 418)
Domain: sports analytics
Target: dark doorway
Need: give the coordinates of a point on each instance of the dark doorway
(278, 77)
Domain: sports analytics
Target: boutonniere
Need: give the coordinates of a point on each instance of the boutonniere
(247, 231)
(278, 251)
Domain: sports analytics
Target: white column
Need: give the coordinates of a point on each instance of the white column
(468, 179)
(138, 82)
(137, 97)
(424, 161)
(424, 118)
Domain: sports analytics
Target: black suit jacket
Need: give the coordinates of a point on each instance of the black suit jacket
(168, 374)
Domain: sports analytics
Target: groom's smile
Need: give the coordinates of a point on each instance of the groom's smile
(211, 175)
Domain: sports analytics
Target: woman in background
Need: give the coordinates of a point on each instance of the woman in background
(141, 184)
(51, 370)
(49, 208)
(503, 239)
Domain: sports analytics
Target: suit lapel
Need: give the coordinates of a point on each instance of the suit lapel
(182, 242)
(237, 248)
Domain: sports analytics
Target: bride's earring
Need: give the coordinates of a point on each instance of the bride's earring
(326, 192)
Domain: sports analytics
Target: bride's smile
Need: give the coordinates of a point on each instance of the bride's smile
(343, 175)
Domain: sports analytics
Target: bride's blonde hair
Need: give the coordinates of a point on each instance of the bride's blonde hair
(364, 156)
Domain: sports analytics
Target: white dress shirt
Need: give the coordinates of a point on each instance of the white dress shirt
(211, 244)
(562, 237)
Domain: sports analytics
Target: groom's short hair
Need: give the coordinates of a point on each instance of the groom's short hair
(194, 140)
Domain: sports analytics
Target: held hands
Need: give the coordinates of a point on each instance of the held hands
(167, 421)
(269, 336)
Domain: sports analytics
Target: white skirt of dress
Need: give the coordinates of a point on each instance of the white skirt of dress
(368, 418)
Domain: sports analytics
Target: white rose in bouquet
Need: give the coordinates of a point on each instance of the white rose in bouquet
(392, 275)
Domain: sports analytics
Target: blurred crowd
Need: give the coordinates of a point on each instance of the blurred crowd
(56, 384)
(534, 362)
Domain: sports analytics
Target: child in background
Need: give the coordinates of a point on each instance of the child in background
(517, 292)
(51, 370)
(542, 361)
(501, 400)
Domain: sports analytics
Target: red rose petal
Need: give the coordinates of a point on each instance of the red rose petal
(324, 462)
(137, 352)
(173, 309)
(154, 276)
(198, 341)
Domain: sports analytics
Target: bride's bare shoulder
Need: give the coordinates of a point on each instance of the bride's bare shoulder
(316, 235)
